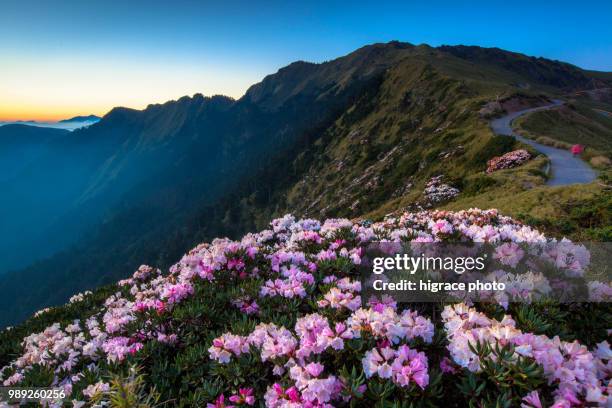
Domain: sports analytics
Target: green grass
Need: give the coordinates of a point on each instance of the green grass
(580, 212)
(576, 123)
(377, 162)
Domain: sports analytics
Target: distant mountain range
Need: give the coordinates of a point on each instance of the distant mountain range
(356, 136)
(88, 118)
(66, 124)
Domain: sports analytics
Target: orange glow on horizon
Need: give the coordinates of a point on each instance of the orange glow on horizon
(42, 111)
(61, 88)
(12, 112)
(43, 115)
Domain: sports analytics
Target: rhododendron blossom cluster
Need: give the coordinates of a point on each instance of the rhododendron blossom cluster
(509, 160)
(299, 319)
(402, 365)
(436, 191)
(343, 294)
(575, 371)
(79, 297)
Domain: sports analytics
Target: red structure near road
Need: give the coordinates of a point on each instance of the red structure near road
(577, 149)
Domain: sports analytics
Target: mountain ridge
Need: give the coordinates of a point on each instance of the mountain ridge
(83, 118)
(354, 136)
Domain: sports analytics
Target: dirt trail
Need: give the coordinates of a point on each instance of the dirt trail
(565, 168)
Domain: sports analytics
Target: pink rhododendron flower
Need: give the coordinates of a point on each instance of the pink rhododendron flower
(294, 259)
(508, 160)
(509, 254)
(401, 366)
(219, 403)
(97, 388)
(244, 396)
(344, 295)
(277, 397)
(178, 292)
(378, 305)
(568, 365)
(532, 400)
(227, 345)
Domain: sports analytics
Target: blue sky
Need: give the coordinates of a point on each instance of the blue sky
(84, 56)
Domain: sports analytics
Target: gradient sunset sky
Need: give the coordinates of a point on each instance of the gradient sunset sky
(65, 58)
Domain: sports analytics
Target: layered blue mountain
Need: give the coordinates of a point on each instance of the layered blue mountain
(82, 119)
(76, 122)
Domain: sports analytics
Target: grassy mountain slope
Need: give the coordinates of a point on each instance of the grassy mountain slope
(148, 171)
(579, 122)
(358, 136)
(193, 146)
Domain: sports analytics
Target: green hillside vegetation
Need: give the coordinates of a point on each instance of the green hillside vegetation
(579, 122)
(356, 137)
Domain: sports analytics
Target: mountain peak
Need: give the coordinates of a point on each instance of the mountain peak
(88, 118)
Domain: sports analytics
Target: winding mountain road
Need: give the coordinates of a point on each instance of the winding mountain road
(565, 168)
